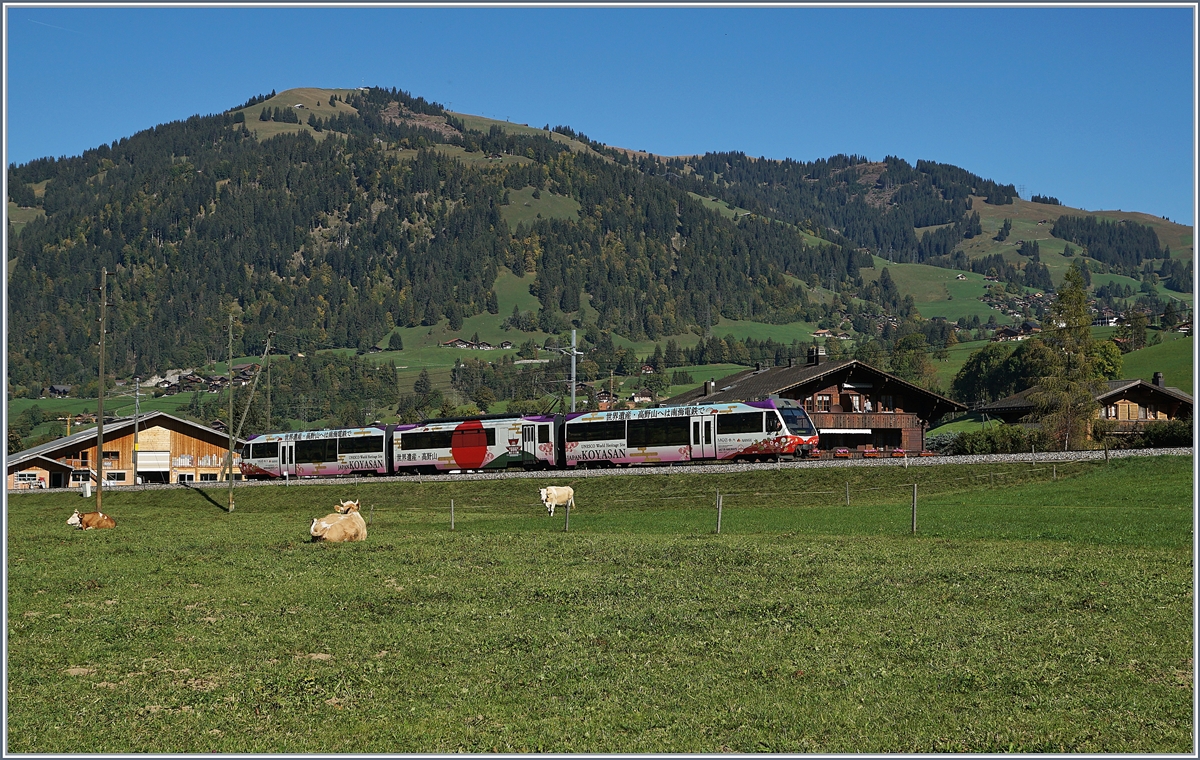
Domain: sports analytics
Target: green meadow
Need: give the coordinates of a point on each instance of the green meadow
(1026, 614)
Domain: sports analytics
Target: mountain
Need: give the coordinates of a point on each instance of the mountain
(336, 216)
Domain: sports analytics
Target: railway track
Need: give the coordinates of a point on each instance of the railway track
(677, 469)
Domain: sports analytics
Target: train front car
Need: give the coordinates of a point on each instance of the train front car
(317, 453)
(798, 427)
(486, 442)
(758, 430)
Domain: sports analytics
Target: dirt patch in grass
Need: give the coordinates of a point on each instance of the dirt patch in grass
(398, 114)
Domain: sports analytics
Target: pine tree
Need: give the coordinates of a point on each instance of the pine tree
(395, 342)
(423, 386)
(1065, 400)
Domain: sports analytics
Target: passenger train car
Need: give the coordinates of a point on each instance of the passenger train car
(770, 429)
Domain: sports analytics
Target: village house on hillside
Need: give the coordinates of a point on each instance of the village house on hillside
(853, 405)
(170, 450)
(1130, 403)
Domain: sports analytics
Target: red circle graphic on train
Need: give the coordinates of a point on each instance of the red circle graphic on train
(468, 444)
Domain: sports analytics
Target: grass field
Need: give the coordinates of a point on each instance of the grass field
(938, 292)
(21, 216)
(523, 207)
(1172, 357)
(1028, 617)
(1025, 216)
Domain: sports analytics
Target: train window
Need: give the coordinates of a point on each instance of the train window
(361, 444)
(729, 424)
(437, 439)
(798, 422)
(773, 423)
(264, 450)
(669, 431)
(596, 431)
(543, 434)
(319, 450)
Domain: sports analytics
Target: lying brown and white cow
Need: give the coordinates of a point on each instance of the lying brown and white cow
(553, 496)
(91, 520)
(346, 524)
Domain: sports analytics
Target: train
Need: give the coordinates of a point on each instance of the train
(772, 429)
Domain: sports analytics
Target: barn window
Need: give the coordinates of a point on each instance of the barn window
(824, 402)
(185, 477)
(208, 476)
(116, 476)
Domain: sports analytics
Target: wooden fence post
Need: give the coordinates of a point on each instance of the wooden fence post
(718, 511)
(914, 511)
(452, 514)
(567, 522)
(847, 493)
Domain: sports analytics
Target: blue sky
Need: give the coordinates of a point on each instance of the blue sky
(1092, 105)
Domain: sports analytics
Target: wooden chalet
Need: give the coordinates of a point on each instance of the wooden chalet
(170, 450)
(1130, 403)
(853, 405)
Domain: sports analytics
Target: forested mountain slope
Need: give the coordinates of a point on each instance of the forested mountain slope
(337, 215)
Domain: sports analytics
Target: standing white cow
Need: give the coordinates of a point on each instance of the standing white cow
(553, 496)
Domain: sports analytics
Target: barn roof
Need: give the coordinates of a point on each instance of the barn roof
(1020, 402)
(755, 385)
(113, 429)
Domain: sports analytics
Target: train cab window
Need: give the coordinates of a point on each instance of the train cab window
(773, 423)
(263, 450)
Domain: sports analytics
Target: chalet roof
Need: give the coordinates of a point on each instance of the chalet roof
(754, 385)
(112, 430)
(1020, 402)
(38, 460)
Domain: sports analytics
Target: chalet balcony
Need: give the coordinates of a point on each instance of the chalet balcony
(865, 421)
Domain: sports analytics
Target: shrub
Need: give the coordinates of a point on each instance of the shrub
(1000, 439)
(1162, 435)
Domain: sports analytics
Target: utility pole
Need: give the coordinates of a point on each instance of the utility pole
(137, 413)
(100, 399)
(229, 472)
(573, 370)
(269, 334)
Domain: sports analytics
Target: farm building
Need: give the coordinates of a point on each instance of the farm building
(1130, 403)
(853, 405)
(170, 450)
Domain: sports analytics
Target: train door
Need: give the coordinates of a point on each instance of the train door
(287, 458)
(528, 445)
(704, 442)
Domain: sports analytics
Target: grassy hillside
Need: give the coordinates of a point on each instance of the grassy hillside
(483, 124)
(1037, 616)
(1173, 357)
(938, 292)
(1027, 215)
(21, 216)
(524, 208)
(314, 99)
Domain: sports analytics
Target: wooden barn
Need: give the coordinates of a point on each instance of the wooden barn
(853, 405)
(170, 450)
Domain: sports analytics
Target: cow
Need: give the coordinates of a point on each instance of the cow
(553, 496)
(91, 520)
(346, 524)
